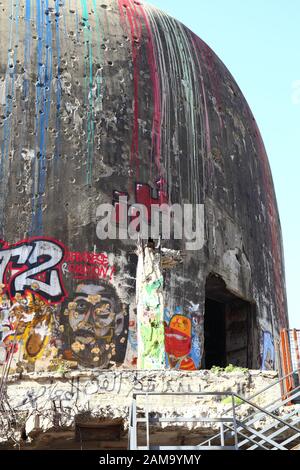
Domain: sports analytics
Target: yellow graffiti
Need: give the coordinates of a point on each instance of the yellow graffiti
(26, 323)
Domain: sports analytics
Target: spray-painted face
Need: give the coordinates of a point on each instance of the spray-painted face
(178, 336)
(94, 320)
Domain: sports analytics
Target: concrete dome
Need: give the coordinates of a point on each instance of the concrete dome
(111, 98)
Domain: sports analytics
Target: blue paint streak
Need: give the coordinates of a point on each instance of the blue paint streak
(9, 96)
(27, 48)
(58, 83)
(46, 104)
(8, 105)
(43, 103)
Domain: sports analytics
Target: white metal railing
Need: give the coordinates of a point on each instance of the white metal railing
(231, 428)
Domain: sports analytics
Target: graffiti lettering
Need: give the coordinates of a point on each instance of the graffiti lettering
(33, 265)
(88, 266)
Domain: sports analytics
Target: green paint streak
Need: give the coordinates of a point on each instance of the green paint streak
(99, 76)
(154, 286)
(153, 337)
(152, 328)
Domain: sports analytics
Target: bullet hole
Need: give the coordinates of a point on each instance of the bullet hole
(110, 63)
(103, 6)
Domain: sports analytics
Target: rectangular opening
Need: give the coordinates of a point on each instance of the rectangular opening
(230, 333)
(104, 430)
(214, 334)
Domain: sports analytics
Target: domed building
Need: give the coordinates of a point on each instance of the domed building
(116, 104)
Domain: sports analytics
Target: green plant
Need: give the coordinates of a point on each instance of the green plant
(228, 401)
(228, 369)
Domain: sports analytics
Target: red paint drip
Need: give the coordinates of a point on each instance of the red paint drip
(135, 26)
(135, 17)
(156, 122)
(274, 230)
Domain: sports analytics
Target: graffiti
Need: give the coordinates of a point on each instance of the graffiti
(88, 327)
(83, 388)
(150, 310)
(183, 338)
(144, 196)
(25, 321)
(268, 358)
(93, 324)
(131, 353)
(36, 261)
(87, 266)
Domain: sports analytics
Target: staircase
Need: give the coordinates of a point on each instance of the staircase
(272, 426)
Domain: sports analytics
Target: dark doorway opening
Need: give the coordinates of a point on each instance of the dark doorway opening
(215, 334)
(230, 332)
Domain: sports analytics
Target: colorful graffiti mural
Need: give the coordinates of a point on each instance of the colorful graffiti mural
(87, 325)
(93, 324)
(183, 338)
(150, 308)
(25, 326)
(34, 261)
(39, 319)
(268, 357)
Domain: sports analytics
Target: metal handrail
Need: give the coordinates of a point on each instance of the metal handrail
(273, 384)
(251, 419)
(260, 392)
(264, 411)
(133, 411)
(233, 396)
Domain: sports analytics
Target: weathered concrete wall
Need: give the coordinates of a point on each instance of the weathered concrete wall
(40, 403)
(100, 99)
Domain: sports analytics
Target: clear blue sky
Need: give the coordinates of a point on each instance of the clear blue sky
(259, 41)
